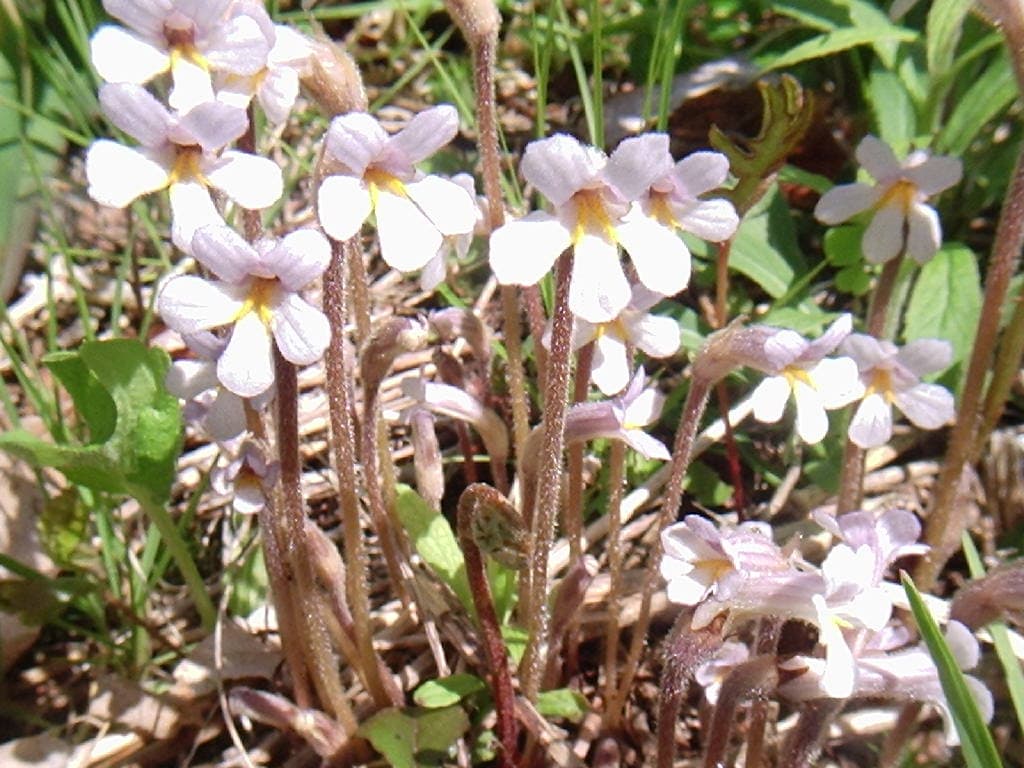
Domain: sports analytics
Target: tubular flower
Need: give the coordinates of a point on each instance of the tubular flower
(188, 38)
(178, 153)
(891, 376)
(901, 220)
(377, 174)
(591, 215)
(258, 296)
(799, 366)
(248, 479)
(655, 336)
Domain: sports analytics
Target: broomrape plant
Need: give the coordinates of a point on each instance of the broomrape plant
(493, 559)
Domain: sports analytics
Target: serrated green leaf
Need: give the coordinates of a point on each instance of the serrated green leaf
(92, 402)
(434, 540)
(975, 739)
(409, 738)
(446, 691)
(562, 702)
(946, 300)
(834, 42)
(942, 33)
(87, 465)
(990, 95)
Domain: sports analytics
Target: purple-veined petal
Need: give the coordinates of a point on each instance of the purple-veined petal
(924, 356)
(655, 336)
(118, 174)
(301, 330)
(866, 351)
(924, 232)
(238, 45)
(610, 370)
(211, 125)
(661, 258)
(877, 158)
(700, 172)
(248, 497)
(844, 202)
(204, 15)
(782, 348)
(871, 425)
(712, 220)
(559, 166)
(523, 251)
(251, 181)
(829, 340)
(191, 208)
(344, 202)
(928, 406)
(355, 140)
(424, 134)
(769, 399)
(811, 419)
(190, 304)
(136, 111)
(121, 57)
(247, 365)
(299, 258)
(637, 163)
(936, 174)
(408, 239)
(445, 203)
(599, 289)
(226, 253)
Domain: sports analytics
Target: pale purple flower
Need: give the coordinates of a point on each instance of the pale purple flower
(248, 479)
(621, 418)
(179, 153)
(215, 408)
(799, 367)
(653, 335)
(378, 174)
(892, 376)
(191, 39)
(889, 536)
(711, 674)
(435, 271)
(585, 188)
(901, 220)
(258, 295)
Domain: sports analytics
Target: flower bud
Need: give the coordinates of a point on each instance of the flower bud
(333, 79)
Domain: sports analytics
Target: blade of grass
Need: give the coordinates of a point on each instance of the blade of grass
(580, 69)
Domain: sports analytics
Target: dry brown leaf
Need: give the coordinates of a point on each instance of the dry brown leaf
(41, 751)
(124, 703)
(242, 656)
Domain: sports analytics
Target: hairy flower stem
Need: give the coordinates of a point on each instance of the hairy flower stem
(545, 513)
(572, 521)
(1006, 368)
(851, 479)
(803, 745)
(312, 632)
(616, 485)
(757, 679)
(945, 522)
(682, 453)
(338, 383)
(472, 499)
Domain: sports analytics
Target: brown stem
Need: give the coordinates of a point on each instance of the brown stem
(756, 678)
(1007, 367)
(722, 285)
(572, 521)
(542, 523)
(616, 484)
(767, 642)
(472, 499)
(803, 745)
(732, 452)
(946, 521)
(338, 383)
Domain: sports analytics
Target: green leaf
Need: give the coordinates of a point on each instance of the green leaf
(853, 280)
(249, 585)
(893, 109)
(942, 30)
(835, 42)
(92, 402)
(765, 248)
(86, 465)
(63, 525)
(446, 691)
(842, 245)
(435, 542)
(409, 738)
(991, 94)
(975, 739)
(563, 702)
(946, 300)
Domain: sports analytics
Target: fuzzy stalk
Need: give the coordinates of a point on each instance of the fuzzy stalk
(756, 678)
(338, 383)
(803, 745)
(945, 522)
(572, 521)
(1006, 368)
(616, 486)
(474, 497)
(542, 521)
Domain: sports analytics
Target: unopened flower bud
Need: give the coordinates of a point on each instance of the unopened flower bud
(426, 456)
(999, 595)
(478, 20)
(333, 80)
(389, 339)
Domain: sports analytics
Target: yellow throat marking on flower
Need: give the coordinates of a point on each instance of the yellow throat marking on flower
(661, 210)
(902, 195)
(591, 216)
(881, 384)
(187, 166)
(185, 50)
(378, 180)
(795, 373)
(261, 299)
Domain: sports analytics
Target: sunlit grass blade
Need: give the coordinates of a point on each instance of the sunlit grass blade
(975, 739)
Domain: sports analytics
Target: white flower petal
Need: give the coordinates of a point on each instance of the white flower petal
(559, 166)
(883, 238)
(355, 140)
(700, 172)
(712, 220)
(192, 85)
(644, 409)
(121, 57)
(655, 336)
(877, 158)
(190, 304)
(865, 350)
(299, 259)
(871, 425)
(609, 370)
(523, 251)
(344, 203)
(647, 446)
(211, 125)
(661, 259)
(963, 645)
(248, 497)
(144, 16)
(278, 92)
(811, 420)
(252, 182)
(118, 174)
(136, 111)
(191, 208)
(599, 289)
(425, 133)
(238, 45)
(844, 202)
(924, 232)
(247, 365)
(924, 356)
(187, 378)
(408, 239)
(226, 417)
(829, 340)
(837, 381)
(769, 399)
(936, 174)
(225, 253)
(445, 203)
(637, 163)
(928, 406)
(840, 672)
(435, 271)
(301, 330)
